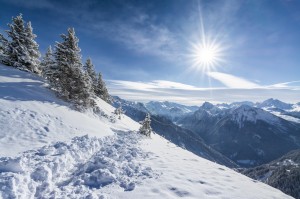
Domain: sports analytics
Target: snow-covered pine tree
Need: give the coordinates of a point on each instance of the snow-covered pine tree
(90, 70)
(101, 90)
(22, 49)
(32, 62)
(3, 50)
(146, 128)
(118, 112)
(49, 68)
(16, 45)
(72, 84)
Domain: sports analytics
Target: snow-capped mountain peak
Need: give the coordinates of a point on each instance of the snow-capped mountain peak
(275, 103)
(207, 106)
(251, 114)
(210, 108)
(169, 109)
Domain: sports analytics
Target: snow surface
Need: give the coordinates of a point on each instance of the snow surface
(125, 165)
(169, 109)
(247, 113)
(60, 153)
(286, 117)
(32, 116)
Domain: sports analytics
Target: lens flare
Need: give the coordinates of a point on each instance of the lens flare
(206, 56)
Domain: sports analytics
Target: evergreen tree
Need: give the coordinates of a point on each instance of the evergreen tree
(90, 69)
(49, 68)
(146, 128)
(118, 112)
(3, 50)
(17, 48)
(33, 61)
(72, 84)
(22, 49)
(101, 90)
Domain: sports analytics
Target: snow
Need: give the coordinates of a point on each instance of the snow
(286, 117)
(55, 152)
(247, 113)
(124, 165)
(274, 103)
(295, 108)
(32, 116)
(288, 162)
(169, 109)
(64, 170)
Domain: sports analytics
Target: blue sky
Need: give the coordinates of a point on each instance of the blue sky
(144, 48)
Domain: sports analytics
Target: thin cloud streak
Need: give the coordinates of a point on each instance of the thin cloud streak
(232, 81)
(160, 90)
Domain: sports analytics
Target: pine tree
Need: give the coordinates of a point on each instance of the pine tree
(3, 50)
(146, 128)
(72, 84)
(118, 112)
(101, 90)
(17, 48)
(49, 68)
(90, 70)
(22, 49)
(33, 61)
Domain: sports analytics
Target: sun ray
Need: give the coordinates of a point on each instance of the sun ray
(207, 53)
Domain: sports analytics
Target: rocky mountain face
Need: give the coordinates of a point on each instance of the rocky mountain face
(283, 173)
(247, 135)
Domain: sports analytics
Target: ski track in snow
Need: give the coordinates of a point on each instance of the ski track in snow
(64, 170)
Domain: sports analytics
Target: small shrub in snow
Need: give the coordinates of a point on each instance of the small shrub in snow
(101, 113)
(119, 112)
(146, 128)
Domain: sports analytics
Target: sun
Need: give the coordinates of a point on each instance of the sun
(206, 56)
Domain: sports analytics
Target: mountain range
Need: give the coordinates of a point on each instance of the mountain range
(246, 135)
(244, 132)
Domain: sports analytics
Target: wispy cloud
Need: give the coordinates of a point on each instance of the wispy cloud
(232, 81)
(152, 39)
(132, 26)
(160, 90)
(292, 84)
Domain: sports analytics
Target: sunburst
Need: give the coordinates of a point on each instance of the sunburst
(206, 55)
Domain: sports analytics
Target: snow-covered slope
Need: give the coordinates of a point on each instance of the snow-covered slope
(125, 165)
(111, 161)
(32, 116)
